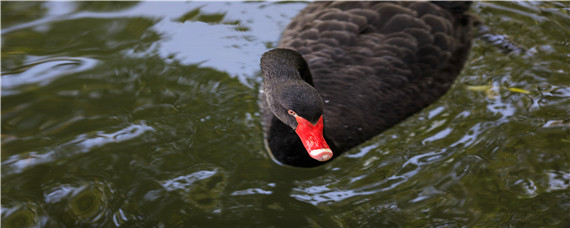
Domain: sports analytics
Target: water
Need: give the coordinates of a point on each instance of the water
(140, 114)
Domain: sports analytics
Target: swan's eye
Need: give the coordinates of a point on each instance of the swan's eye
(291, 112)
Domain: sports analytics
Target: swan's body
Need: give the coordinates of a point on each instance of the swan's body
(372, 63)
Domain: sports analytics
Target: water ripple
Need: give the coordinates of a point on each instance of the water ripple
(41, 72)
(184, 182)
(82, 143)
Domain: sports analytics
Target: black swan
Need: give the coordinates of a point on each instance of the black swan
(356, 69)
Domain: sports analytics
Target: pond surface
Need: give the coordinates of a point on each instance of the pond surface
(144, 114)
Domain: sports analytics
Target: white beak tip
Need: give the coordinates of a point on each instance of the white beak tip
(323, 155)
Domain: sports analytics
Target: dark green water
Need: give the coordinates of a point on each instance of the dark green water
(145, 115)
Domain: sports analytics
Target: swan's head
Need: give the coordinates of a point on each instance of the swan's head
(295, 102)
(300, 106)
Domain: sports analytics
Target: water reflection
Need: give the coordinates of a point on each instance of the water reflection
(115, 115)
(23, 215)
(104, 6)
(15, 13)
(41, 72)
(202, 188)
(142, 114)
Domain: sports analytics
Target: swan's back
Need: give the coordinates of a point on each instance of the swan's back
(376, 63)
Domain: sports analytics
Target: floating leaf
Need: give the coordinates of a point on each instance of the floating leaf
(488, 88)
(517, 90)
(479, 88)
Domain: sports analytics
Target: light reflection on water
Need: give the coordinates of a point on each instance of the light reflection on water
(40, 72)
(83, 143)
(135, 118)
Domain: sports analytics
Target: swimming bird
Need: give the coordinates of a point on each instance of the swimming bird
(344, 72)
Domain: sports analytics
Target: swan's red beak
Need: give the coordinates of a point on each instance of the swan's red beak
(313, 139)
